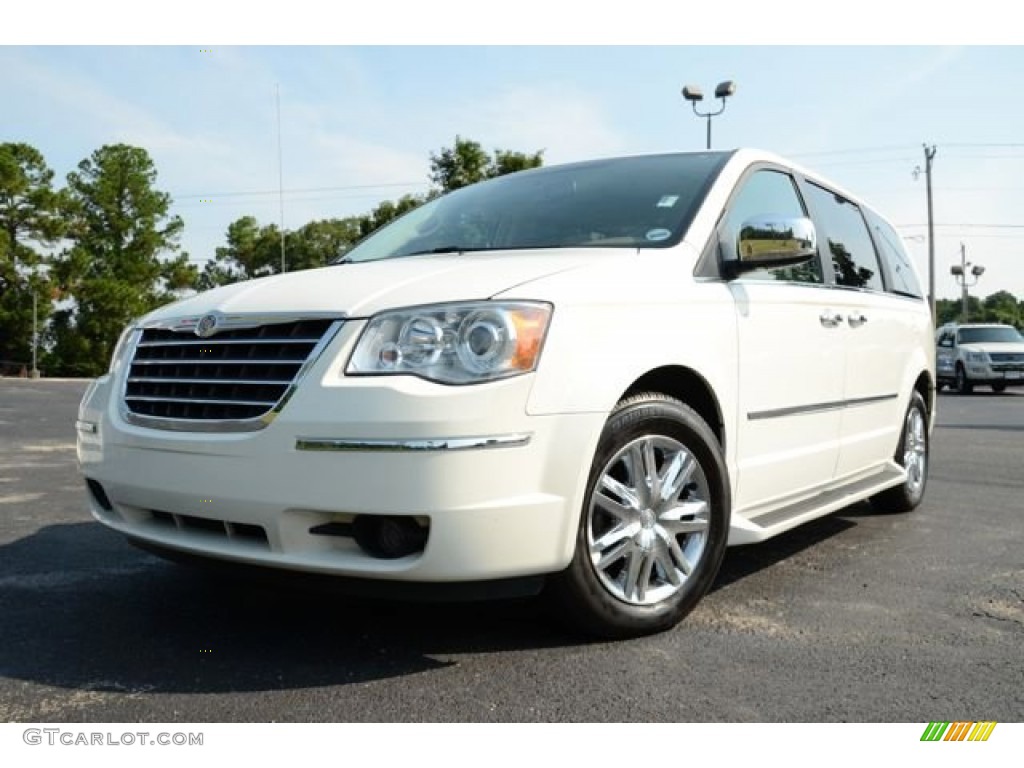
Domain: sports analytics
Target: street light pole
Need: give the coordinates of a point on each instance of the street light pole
(959, 272)
(693, 94)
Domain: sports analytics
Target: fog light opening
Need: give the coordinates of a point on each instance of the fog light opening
(99, 495)
(388, 537)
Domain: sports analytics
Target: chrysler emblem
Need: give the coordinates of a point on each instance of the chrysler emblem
(206, 327)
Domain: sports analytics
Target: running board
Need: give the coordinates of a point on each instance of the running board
(743, 531)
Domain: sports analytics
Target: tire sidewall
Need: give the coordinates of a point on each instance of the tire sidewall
(963, 384)
(608, 614)
(916, 403)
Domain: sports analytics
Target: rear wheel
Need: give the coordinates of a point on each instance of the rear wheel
(654, 523)
(999, 387)
(912, 455)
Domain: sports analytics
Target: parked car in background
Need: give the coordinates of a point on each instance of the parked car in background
(588, 379)
(989, 354)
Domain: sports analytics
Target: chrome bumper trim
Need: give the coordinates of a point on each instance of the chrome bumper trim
(412, 446)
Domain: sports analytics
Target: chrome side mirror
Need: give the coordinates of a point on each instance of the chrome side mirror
(774, 241)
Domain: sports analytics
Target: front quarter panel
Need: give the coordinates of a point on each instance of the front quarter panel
(625, 318)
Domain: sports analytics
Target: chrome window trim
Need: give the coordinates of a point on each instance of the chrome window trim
(225, 425)
(417, 445)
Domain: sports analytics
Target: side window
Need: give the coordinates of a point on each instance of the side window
(853, 254)
(890, 246)
(946, 339)
(768, 192)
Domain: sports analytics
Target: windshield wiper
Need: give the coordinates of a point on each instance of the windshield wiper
(444, 249)
(439, 249)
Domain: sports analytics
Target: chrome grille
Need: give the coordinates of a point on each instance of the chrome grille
(1006, 357)
(235, 375)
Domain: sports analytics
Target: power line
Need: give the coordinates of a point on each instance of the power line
(984, 145)
(300, 190)
(867, 162)
(860, 150)
(986, 157)
(965, 226)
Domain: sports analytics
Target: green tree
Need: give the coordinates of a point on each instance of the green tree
(319, 242)
(466, 163)
(114, 268)
(250, 252)
(386, 212)
(255, 251)
(458, 166)
(505, 161)
(947, 311)
(29, 212)
(1001, 307)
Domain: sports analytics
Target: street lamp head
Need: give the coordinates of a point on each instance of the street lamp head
(692, 93)
(977, 270)
(725, 89)
(956, 270)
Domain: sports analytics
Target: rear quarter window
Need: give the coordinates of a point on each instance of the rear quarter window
(902, 278)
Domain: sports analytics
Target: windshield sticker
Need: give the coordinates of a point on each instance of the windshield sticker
(658, 234)
(667, 201)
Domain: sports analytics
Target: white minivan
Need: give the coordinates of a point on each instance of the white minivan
(588, 379)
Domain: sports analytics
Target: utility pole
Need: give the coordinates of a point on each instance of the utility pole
(35, 335)
(280, 175)
(929, 155)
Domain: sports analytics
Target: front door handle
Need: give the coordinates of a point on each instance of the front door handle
(830, 319)
(856, 321)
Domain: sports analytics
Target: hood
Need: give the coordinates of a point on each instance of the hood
(360, 290)
(998, 347)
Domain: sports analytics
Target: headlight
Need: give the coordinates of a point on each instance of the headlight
(121, 348)
(977, 357)
(454, 343)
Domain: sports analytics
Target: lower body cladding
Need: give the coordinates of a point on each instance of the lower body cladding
(437, 501)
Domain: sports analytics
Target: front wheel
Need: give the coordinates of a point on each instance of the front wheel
(963, 384)
(654, 522)
(912, 455)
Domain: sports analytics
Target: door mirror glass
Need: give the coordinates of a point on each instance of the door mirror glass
(775, 241)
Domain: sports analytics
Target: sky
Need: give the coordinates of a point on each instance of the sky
(360, 117)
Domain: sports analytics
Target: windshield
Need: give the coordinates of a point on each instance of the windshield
(1004, 334)
(634, 202)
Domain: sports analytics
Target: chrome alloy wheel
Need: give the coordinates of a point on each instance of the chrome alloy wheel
(647, 524)
(915, 451)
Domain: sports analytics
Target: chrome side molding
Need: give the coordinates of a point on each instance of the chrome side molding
(413, 445)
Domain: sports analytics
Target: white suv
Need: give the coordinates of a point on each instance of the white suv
(594, 375)
(979, 353)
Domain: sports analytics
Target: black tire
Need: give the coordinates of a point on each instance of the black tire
(963, 384)
(628, 576)
(999, 387)
(913, 454)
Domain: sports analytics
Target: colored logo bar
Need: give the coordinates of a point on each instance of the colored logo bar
(961, 731)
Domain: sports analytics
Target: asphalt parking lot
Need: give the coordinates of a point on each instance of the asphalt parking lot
(856, 617)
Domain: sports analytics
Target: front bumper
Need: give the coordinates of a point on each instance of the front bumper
(499, 490)
(985, 373)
